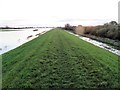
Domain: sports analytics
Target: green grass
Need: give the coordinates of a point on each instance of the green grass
(60, 60)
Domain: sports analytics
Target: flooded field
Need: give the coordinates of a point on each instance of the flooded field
(10, 39)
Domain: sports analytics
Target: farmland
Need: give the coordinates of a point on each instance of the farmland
(58, 59)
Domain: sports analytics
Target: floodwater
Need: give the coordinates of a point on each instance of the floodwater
(99, 44)
(12, 39)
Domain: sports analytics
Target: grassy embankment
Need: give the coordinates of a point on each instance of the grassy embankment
(58, 59)
(113, 43)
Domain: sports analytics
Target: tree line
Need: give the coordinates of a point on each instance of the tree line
(109, 30)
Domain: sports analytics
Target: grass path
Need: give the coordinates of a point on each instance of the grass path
(58, 59)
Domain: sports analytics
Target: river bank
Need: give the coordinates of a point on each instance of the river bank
(113, 43)
(98, 43)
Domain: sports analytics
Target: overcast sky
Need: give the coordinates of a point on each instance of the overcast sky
(57, 12)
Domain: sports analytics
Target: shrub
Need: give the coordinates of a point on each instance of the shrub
(108, 30)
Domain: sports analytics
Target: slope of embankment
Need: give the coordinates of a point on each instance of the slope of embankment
(58, 59)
